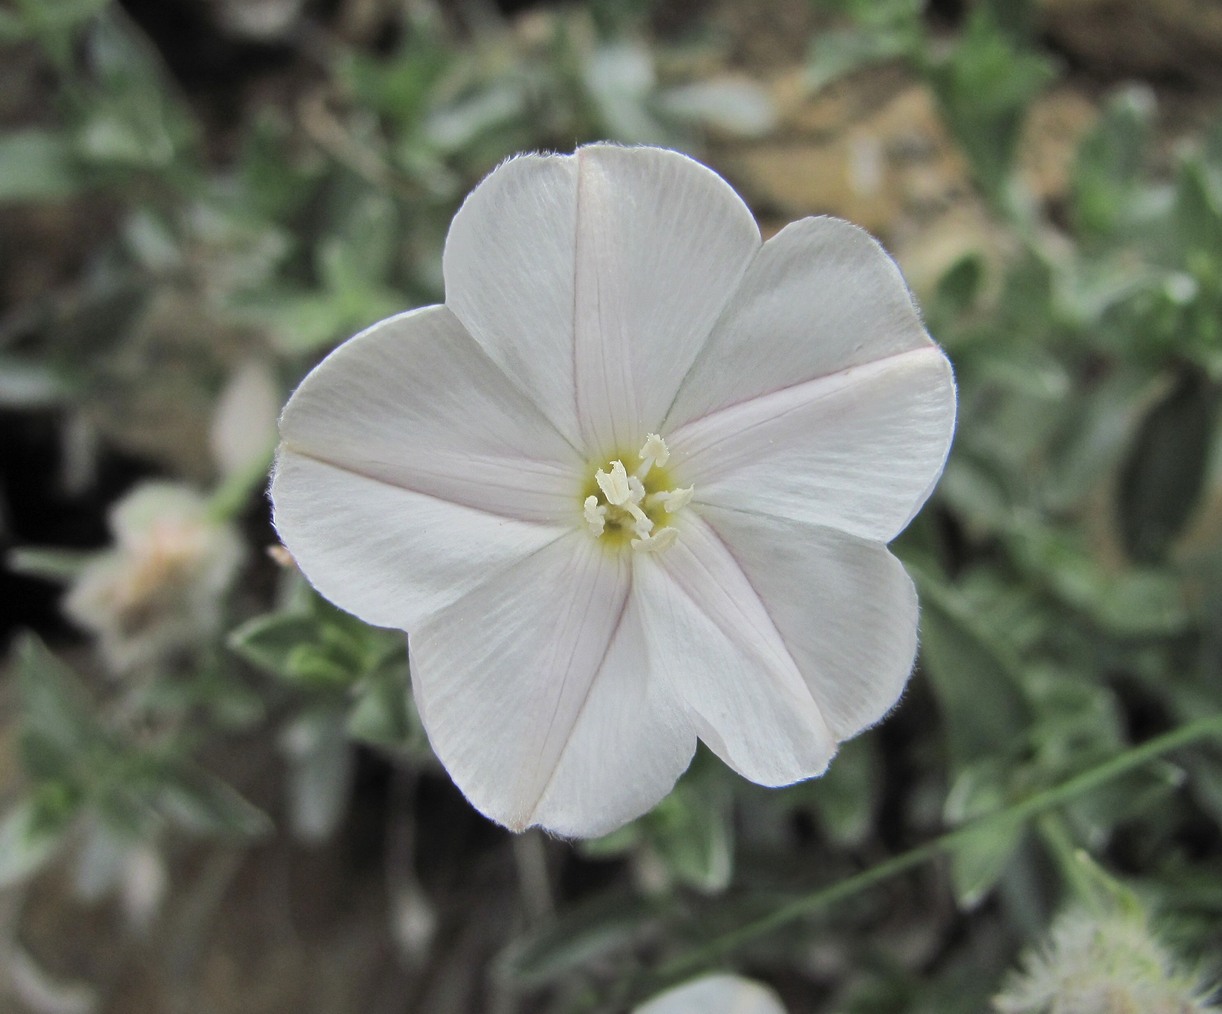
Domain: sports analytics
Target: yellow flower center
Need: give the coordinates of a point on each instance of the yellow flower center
(635, 508)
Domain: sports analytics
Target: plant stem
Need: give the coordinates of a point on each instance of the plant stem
(679, 967)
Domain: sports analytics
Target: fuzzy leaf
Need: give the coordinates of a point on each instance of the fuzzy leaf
(37, 165)
(29, 836)
(201, 803)
(1162, 478)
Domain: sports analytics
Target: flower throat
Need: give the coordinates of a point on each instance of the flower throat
(634, 508)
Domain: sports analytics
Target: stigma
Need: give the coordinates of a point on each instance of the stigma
(635, 506)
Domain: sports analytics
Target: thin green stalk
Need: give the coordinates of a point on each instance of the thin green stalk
(1020, 812)
(1089, 884)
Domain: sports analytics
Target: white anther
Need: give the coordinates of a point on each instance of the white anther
(653, 452)
(614, 484)
(680, 497)
(671, 499)
(636, 489)
(595, 515)
(657, 541)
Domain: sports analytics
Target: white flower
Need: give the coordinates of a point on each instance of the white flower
(715, 994)
(159, 589)
(630, 486)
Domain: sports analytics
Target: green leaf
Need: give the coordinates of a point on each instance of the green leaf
(300, 322)
(692, 832)
(313, 644)
(617, 843)
(59, 15)
(1163, 476)
(11, 29)
(976, 491)
(960, 287)
(455, 126)
(1089, 883)
(37, 165)
(981, 854)
(1206, 783)
(313, 666)
(381, 714)
(1076, 722)
(199, 802)
(1125, 799)
(1090, 439)
(1131, 603)
(1198, 207)
(57, 723)
(1145, 603)
(268, 642)
(401, 87)
(980, 858)
(30, 833)
(844, 797)
(835, 54)
(54, 24)
(1107, 172)
(586, 932)
(134, 119)
(1013, 18)
(880, 14)
(271, 184)
(967, 662)
(984, 87)
(365, 247)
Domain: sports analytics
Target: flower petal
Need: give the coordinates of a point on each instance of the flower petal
(714, 994)
(820, 297)
(845, 609)
(509, 275)
(627, 748)
(390, 555)
(414, 402)
(509, 685)
(606, 269)
(711, 639)
(662, 241)
(858, 450)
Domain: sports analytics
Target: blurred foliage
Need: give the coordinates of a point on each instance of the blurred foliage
(90, 774)
(1070, 564)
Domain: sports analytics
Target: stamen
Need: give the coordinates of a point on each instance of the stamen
(658, 541)
(653, 452)
(595, 515)
(671, 499)
(630, 506)
(614, 484)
